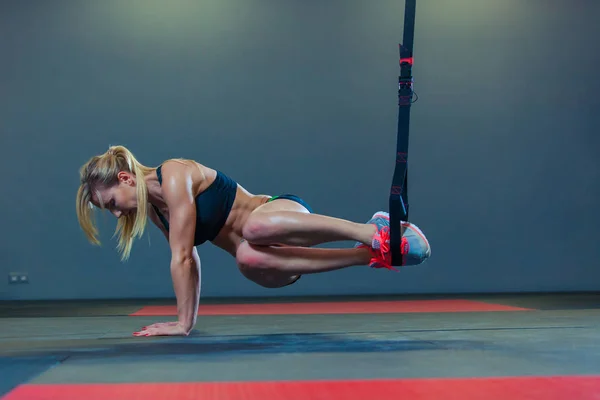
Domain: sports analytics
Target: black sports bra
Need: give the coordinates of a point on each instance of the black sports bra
(212, 207)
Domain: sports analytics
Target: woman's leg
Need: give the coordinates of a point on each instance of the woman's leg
(277, 266)
(273, 253)
(301, 260)
(287, 222)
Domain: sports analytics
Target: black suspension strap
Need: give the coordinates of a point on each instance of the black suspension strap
(399, 190)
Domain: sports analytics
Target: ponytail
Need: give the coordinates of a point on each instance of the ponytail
(103, 170)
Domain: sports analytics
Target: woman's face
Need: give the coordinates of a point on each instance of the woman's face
(119, 199)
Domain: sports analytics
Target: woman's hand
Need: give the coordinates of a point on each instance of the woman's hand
(163, 329)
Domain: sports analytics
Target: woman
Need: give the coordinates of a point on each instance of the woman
(270, 237)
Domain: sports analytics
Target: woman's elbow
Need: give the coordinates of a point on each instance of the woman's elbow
(183, 259)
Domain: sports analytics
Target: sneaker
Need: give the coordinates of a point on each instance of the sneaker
(379, 248)
(415, 248)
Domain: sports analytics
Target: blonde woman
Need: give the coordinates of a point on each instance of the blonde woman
(270, 237)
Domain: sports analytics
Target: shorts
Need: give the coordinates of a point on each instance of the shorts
(292, 197)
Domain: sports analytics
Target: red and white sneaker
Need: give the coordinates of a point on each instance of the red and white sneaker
(415, 248)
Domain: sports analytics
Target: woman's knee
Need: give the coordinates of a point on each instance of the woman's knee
(257, 267)
(249, 258)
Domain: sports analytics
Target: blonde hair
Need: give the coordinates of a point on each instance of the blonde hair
(102, 171)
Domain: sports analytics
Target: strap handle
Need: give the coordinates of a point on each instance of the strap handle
(398, 202)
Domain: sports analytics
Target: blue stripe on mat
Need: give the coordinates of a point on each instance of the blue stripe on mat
(18, 370)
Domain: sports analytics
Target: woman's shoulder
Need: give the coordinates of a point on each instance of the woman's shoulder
(182, 171)
(181, 166)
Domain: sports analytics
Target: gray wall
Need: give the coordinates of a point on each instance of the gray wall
(300, 96)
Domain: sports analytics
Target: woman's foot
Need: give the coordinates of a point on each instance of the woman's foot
(415, 248)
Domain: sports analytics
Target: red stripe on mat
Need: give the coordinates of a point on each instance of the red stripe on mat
(513, 388)
(358, 307)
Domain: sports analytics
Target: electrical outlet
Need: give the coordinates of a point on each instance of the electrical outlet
(18, 277)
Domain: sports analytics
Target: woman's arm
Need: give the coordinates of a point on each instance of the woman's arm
(178, 193)
(187, 283)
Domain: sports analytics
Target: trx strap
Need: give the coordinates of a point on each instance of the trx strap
(399, 190)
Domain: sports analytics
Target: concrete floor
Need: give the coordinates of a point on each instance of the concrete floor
(91, 342)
